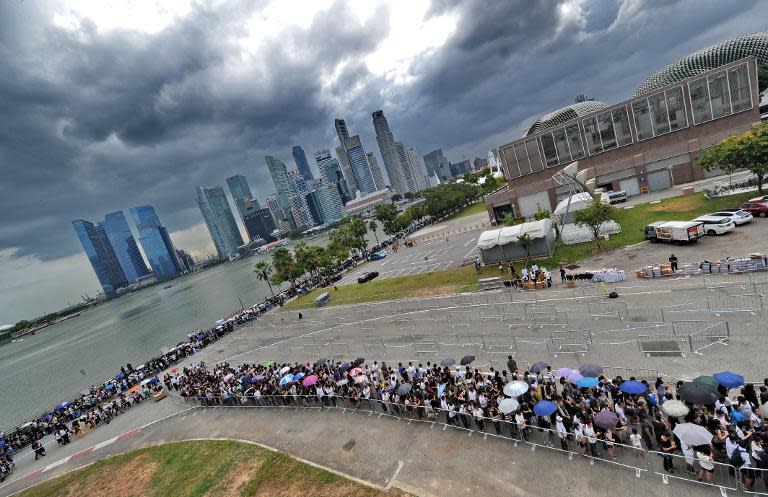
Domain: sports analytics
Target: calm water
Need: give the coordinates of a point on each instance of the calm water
(45, 368)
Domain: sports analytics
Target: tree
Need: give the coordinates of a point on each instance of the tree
(509, 219)
(525, 241)
(748, 150)
(307, 258)
(541, 213)
(373, 227)
(285, 266)
(386, 214)
(594, 215)
(263, 271)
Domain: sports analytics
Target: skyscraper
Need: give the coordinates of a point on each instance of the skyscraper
(410, 181)
(278, 214)
(298, 199)
(331, 207)
(300, 158)
(346, 170)
(101, 256)
(341, 130)
(378, 179)
(386, 142)
(331, 173)
(260, 223)
(437, 163)
(219, 219)
(241, 194)
(358, 162)
(156, 242)
(124, 246)
(416, 165)
(279, 173)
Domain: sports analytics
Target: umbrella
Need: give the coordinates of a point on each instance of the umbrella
(298, 376)
(633, 387)
(675, 408)
(404, 388)
(344, 367)
(707, 380)
(320, 362)
(515, 388)
(508, 405)
(133, 388)
(245, 380)
(343, 382)
(361, 379)
(736, 416)
(606, 420)
(698, 393)
(563, 372)
(355, 371)
(729, 380)
(120, 376)
(258, 377)
(692, 434)
(764, 411)
(440, 389)
(447, 362)
(544, 408)
(61, 407)
(269, 363)
(590, 370)
(284, 369)
(357, 362)
(109, 386)
(309, 380)
(286, 379)
(538, 367)
(574, 376)
(228, 376)
(47, 417)
(587, 382)
(2, 443)
(467, 359)
(174, 370)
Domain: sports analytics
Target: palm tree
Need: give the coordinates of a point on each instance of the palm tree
(263, 271)
(372, 227)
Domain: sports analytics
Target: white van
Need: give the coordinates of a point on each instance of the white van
(611, 197)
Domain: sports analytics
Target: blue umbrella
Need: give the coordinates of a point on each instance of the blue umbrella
(344, 366)
(587, 382)
(61, 406)
(120, 376)
(109, 386)
(736, 416)
(298, 376)
(47, 417)
(2, 443)
(286, 379)
(246, 380)
(633, 387)
(153, 380)
(544, 408)
(729, 380)
(440, 390)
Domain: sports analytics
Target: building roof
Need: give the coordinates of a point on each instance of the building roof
(708, 58)
(565, 114)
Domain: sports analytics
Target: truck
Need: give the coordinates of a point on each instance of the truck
(674, 231)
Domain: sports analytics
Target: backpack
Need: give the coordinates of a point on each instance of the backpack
(736, 459)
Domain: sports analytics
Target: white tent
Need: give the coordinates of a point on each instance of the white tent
(579, 201)
(506, 240)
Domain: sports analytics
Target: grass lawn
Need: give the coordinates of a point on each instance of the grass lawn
(418, 285)
(469, 210)
(202, 468)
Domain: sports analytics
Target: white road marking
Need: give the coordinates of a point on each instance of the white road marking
(470, 241)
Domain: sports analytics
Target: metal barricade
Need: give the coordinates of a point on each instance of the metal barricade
(627, 373)
(715, 333)
(727, 280)
(721, 304)
(426, 347)
(759, 485)
(558, 319)
(567, 342)
(644, 315)
(724, 476)
(607, 310)
(499, 343)
(532, 310)
(660, 346)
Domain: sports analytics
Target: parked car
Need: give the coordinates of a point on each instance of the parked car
(377, 256)
(738, 216)
(755, 208)
(366, 277)
(716, 225)
(762, 198)
(611, 197)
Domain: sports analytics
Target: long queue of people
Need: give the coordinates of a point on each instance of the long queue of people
(591, 415)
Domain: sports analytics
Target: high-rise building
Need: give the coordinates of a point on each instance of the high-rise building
(437, 163)
(278, 214)
(124, 245)
(392, 162)
(299, 190)
(300, 158)
(378, 179)
(282, 182)
(341, 130)
(219, 219)
(331, 173)
(358, 162)
(410, 181)
(187, 262)
(346, 171)
(260, 223)
(101, 255)
(459, 169)
(329, 200)
(418, 169)
(241, 194)
(156, 242)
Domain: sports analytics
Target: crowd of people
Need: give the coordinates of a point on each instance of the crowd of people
(591, 415)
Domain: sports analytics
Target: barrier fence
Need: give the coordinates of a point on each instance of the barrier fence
(594, 448)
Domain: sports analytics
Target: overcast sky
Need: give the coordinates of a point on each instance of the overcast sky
(107, 104)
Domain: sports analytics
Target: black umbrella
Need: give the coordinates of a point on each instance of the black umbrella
(592, 370)
(320, 362)
(357, 362)
(538, 367)
(447, 362)
(467, 359)
(698, 393)
(404, 388)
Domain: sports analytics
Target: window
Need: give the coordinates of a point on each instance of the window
(548, 145)
(533, 154)
(676, 109)
(594, 145)
(738, 82)
(702, 112)
(513, 170)
(719, 95)
(574, 141)
(607, 135)
(561, 144)
(659, 117)
(642, 119)
(522, 158)
(621, 126)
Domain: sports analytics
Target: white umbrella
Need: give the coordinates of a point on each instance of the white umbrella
(515, 388)
(284, 369)
(764, 411)
(674, 408)
(361, 379)
(693, 434)
(508, 405)
(343, 382)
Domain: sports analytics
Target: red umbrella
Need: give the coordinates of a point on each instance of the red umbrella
(309, 380)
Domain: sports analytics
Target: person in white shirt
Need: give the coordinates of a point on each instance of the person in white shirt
(562, 433)
(636, 440)
(706, 463)
(522, 430)
(589, 432)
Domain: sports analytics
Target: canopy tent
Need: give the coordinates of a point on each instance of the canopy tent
(501, 244)
(579, 201)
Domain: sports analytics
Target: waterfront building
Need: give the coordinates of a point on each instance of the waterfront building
(331, 173)
(219, 219)
(459, 169)
(156, 242)
(282, 223)
(241, 194)
(387, 148)
(125, 247)
(414, 159)
(358, 162)
(261, 224)
(378, 178)
(346, 169)
(279, 173)
(187, 262)
(329, 201)
(437, 164)
(300, 158)
(410, 182)
(365, 205)
(101, 255)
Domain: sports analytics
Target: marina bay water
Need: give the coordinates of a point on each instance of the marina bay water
(45, 368)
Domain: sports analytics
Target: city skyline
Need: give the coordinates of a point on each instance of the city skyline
(144, 130)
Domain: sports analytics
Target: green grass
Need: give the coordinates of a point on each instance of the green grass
(201, 468)
(418, 285)
(469, 210)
